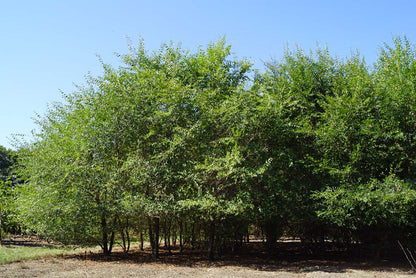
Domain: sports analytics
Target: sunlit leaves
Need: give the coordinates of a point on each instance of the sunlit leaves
(175, 134)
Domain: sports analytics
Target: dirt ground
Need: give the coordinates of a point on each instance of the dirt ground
(75, 267)
(291, 260)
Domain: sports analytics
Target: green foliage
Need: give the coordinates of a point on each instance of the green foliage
(174, 141)
(385, 207)
(366, 136)
(8, 182)
(7, 161)
(132, 135)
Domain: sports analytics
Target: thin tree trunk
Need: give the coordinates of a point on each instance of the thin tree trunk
(174, 236)
(193, 237)
(151, 239)
(180, 237)
(104, 240)
(113, 233)
(141, 241)
(1, 230)
(211, 242)
(157, 226)
(165, 235)
(111, 242)
(270, 230)
(154, 235)
(123, 237)
(168, 235)
(128, 235)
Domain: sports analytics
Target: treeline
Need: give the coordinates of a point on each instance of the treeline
(8, 181)
(199, 149)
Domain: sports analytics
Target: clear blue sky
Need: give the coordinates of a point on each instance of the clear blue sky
(48, 46)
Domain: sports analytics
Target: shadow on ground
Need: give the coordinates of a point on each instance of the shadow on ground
(28, 242)
(289, 256)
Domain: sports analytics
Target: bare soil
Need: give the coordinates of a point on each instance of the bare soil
(291, 260)
(71, 267)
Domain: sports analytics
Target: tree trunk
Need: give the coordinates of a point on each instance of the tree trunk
(168, 235)
(174, 236)
(193, 237)
(151, 239)
(125, 237)
(111, 243)
(1, 230)
(141, 241)
(211, 243)
(167, 225)
(128, 240)
(104, 239)
(154, 235)
(180, 237)
(165, 234)
(157, 237)
(123, 240)
(271, 231)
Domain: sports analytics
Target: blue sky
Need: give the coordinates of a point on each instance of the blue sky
(48, 46)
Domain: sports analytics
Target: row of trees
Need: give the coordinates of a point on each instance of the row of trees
(201, 149)
(8, 181)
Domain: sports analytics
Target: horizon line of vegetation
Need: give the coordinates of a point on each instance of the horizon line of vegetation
(201, 148)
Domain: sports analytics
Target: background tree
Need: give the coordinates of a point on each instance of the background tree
(127, 136)
(296, 90)
(8, 160)
(366, 140)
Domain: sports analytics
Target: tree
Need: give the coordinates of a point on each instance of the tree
(7, 183)
(366, 137)
(7, 161)
(294, 90)
(131, 134)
